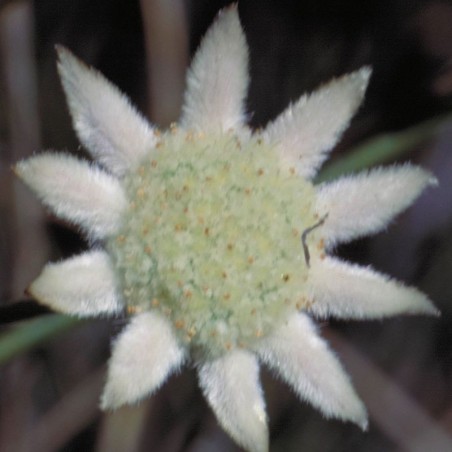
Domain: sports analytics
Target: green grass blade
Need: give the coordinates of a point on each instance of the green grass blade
(382, 149)
(32, 333)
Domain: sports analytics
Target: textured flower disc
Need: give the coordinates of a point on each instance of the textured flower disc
(212, 239)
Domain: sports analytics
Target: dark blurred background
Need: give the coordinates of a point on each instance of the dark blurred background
(401, 367)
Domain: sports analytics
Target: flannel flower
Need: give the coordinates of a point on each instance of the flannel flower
(214, 239)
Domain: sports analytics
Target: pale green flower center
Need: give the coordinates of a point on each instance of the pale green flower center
(212, 239)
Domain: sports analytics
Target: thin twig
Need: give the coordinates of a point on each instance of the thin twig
(27, 234)
(394, 411)
(166, 43)
(74, 412)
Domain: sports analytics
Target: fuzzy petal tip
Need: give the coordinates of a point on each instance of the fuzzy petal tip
(144, 355)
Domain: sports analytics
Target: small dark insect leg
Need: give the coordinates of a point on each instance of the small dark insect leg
(304, 235)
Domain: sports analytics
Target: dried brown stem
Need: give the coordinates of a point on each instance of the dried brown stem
(166, 43)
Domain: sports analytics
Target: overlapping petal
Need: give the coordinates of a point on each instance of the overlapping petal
(144, 355)
(76, 191)
(105, 121)
(363, 204)
(84, 285)
(353, 292)
(217, 81)
(307, 130)
(304, 361)
(231, 386)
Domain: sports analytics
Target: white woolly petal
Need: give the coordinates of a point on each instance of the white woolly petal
(76, 191)
(307, 130)
(144, 355)
(232, 388)
(106, 123)
(350, 291)
(362, 204)
(304, 361)
(217, 81)
(84, 285)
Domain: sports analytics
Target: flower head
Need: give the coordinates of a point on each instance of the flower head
(215, 241)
